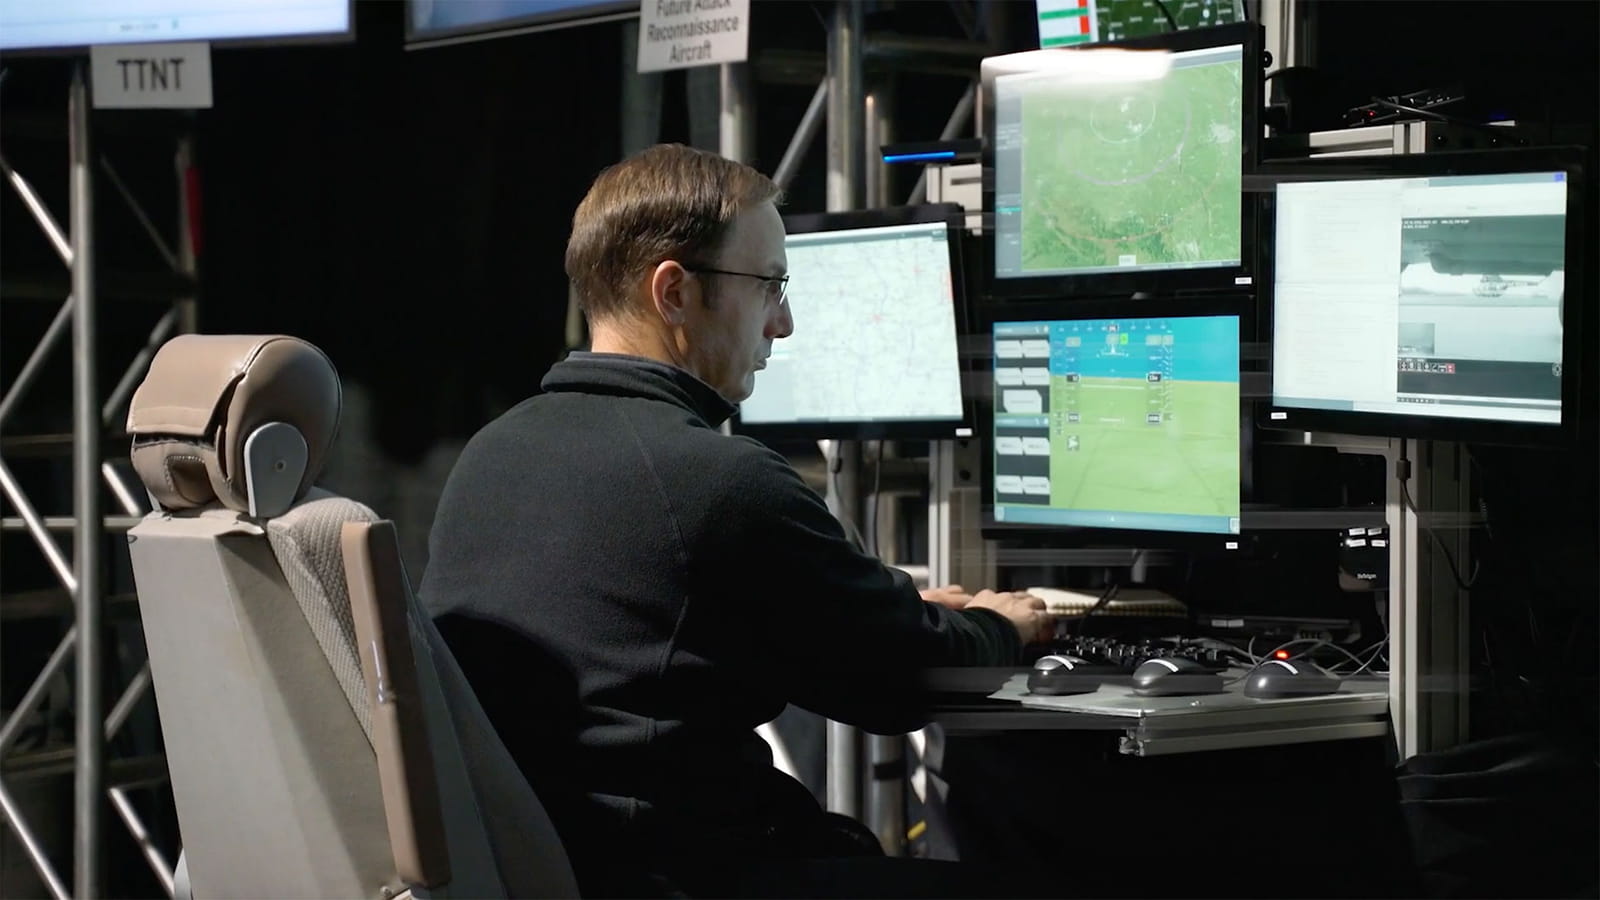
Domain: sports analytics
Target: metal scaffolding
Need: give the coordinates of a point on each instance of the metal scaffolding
(83, 582)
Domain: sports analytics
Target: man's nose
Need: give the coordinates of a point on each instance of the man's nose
(782, 324)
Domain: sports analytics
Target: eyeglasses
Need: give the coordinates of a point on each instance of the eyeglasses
(777, 286)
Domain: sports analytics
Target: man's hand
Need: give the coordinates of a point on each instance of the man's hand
(952, 596)
(1027, 612)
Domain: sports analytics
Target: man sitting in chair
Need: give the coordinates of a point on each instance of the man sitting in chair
(632, 592)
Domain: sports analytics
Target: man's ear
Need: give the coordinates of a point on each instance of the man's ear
(671, 291)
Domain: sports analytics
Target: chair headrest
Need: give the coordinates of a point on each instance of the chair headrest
(244, 420)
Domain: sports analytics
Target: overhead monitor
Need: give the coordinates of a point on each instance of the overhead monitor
(74, 24)
(877, 304)
(1117, 168)
(1070, 23)
(440, 22)
(1114, 422)
(1430, 297)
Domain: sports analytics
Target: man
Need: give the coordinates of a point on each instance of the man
(632, 592)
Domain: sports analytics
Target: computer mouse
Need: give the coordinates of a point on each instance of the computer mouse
(1278, 678)
(1173, 676)
(1058, 674)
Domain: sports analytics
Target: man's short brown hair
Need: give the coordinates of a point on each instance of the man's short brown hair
(665, 202)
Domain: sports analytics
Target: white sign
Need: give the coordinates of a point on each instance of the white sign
(681, 34)
(151, 76)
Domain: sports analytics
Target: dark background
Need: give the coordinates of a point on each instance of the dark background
(408, 211)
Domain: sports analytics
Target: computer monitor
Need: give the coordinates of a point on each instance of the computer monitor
(1434, 296)
(878, 306)
(1114, 421)
(1117, 168)
(1069, 23)
(77, 24)
(441, 22)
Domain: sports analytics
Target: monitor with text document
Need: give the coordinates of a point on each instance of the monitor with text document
(1433, 297)
(79, 24)
(1113, 421)
(1117, 168)
(878, 310)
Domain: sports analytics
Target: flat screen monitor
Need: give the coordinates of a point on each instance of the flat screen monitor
(1068, 23)
(878, 308)
(439, 22)
(1429, 298)
(1117, 168)
(1114, 422)
(64, 24)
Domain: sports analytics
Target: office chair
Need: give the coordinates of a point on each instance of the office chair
(321, 740)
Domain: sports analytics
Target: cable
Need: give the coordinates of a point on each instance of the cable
(1106, 597)
(877, 473)
(1168, 13)
(1402, 475)
(1504, 133)
(833, 461)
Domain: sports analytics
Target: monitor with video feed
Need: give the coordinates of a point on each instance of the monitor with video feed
(79, 24)
(1066, 23)
(1117, 168)
(1435, 296)
(1115, 422)
(876, 298)
(443, 22)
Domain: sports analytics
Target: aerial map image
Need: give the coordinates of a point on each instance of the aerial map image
(1133, 173)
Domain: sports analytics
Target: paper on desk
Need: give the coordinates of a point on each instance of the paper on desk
(1128, 601)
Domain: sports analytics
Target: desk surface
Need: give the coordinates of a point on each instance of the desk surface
(1160, 725)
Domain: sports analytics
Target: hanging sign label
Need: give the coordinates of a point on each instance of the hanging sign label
(682, 34)
(151, 76)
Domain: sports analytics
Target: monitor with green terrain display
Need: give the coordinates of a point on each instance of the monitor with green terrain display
(1120, 422)
(1118, 167)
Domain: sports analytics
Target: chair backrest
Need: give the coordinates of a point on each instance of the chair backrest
(321, 740)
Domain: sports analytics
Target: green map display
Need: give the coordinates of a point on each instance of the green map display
(1116, 459)
(1132, 173)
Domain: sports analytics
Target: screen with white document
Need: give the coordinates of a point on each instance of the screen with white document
(1436, 296)
(52, 24)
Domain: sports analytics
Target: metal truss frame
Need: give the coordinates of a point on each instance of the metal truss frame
(81, 576)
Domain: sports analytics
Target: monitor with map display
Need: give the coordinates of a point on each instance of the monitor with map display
(1114, 422)
(1118, 167)
(877, 304)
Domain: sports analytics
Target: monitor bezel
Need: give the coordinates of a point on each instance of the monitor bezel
(1571, 160)
(1137, 283)
(953, 216)
(595, 13)
(1031, 534)
(309, 38)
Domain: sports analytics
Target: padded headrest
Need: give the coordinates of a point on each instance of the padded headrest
(203, 399)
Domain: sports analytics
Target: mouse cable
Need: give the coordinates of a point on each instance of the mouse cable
(1272, 655)
(1402, 475)
(1377, 651)
(1315, 643)
(1106, 597)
